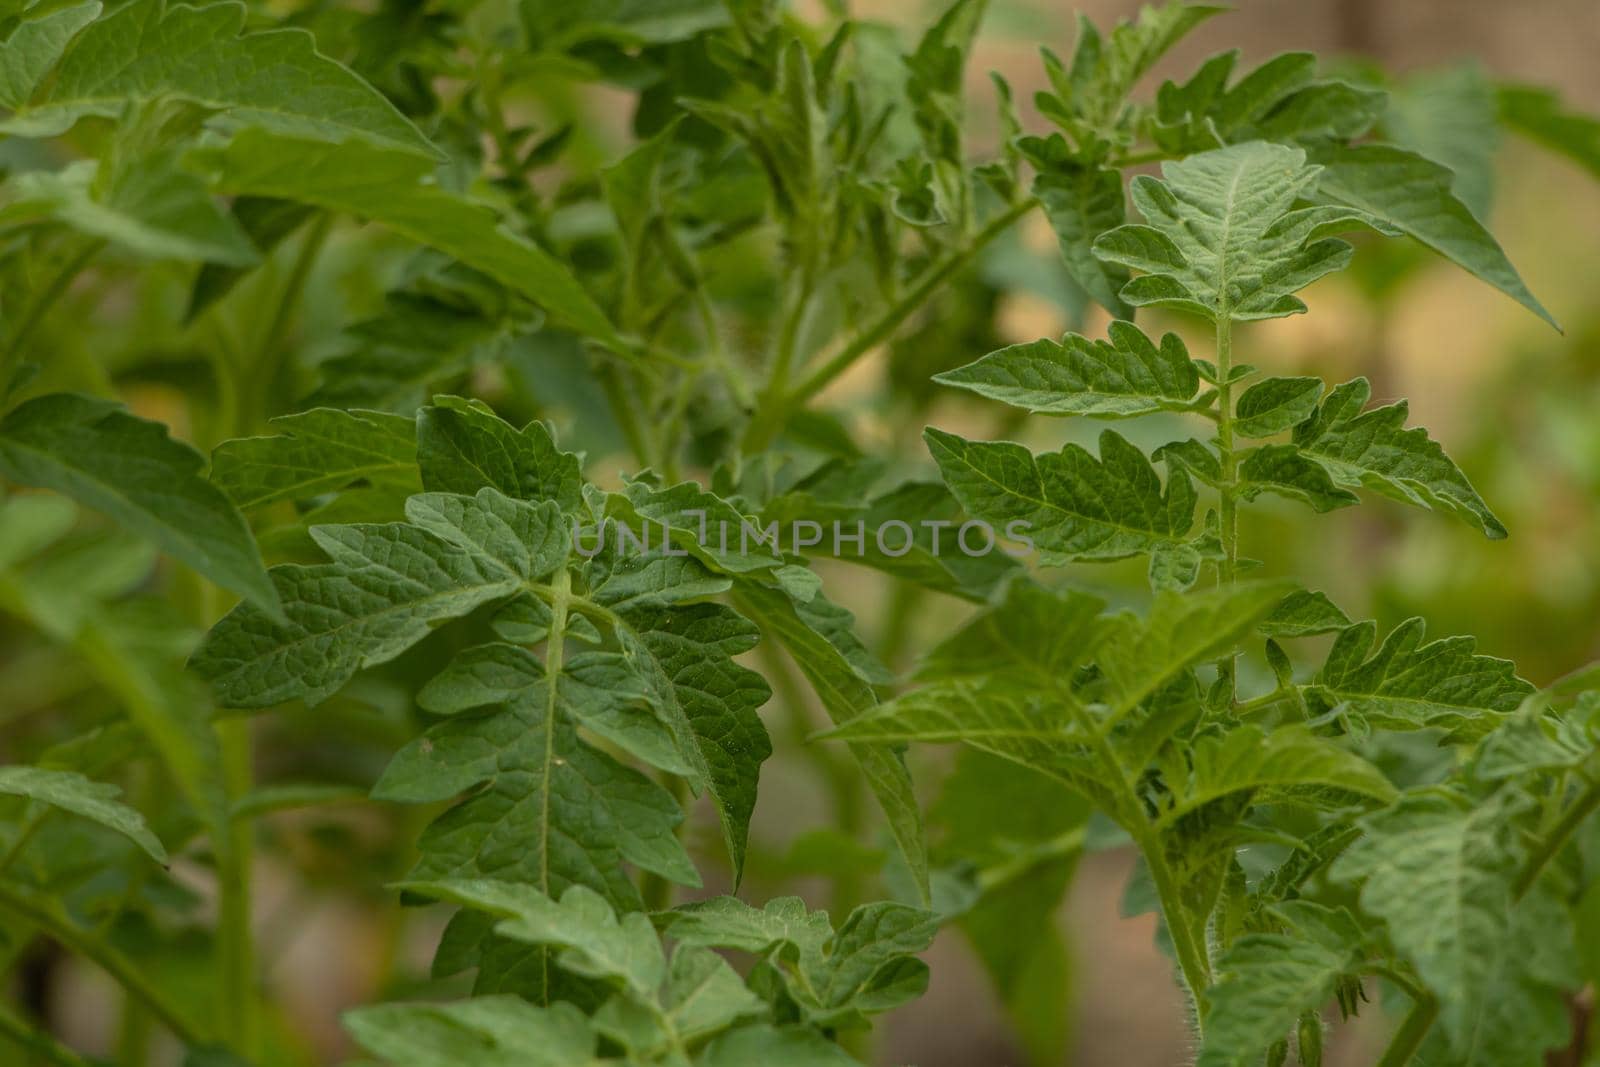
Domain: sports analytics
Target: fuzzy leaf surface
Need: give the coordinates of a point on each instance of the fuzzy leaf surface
(1407, 683)
(314, 452)
(1075, 505)
(1120, 377)
(275, 80)
(1222, 237)
(1374, 450)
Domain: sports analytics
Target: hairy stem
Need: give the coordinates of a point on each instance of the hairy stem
(762, 431)
(1556, 839)
(48, 917)
(1193, 960)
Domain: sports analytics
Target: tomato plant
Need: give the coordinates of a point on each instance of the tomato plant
(375, 297)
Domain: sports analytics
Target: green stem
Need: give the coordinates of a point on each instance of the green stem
(1228, 569)
(1557, 838)
(36, 1042)
(262, 379)
(50, 919)
(38, 309)
(1408, 1038)
(235, 940)
(133, 1035)
(1133, 159)
(622, 409)
(763, 430)
(1193, 960)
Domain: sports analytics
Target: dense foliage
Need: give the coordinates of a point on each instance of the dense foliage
(404, 323)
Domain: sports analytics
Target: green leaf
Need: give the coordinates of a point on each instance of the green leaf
(1223, 238)
(774, 1046)
(595, 943)
(1408, 685)
(317, 451)
(846, 696)
(1180, 632)
(1081, 201)
(494, 1031)
(1536, 739)
(1413, 195)
(1289, 760)
(708, 700)
(96, 801)
(1265, 981)
(1286, 471)
(1303, 614)
(1121, 377)
(1274, 405)
(1090, 98)
(1277, 101)
(1374, 450)
(276, 80)
(1439, 870)
(267, 223)
(1031, 631)
(1025, 832)
(995, 715)
(1525, 1013)
(1069, 503)
(836, 978)
(35, 44)
(463, 446)
(392, 188)
(98, 454)
(1539, 113)
(149, 208)
(384, 589)
(1449, 116)
(542, 807)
